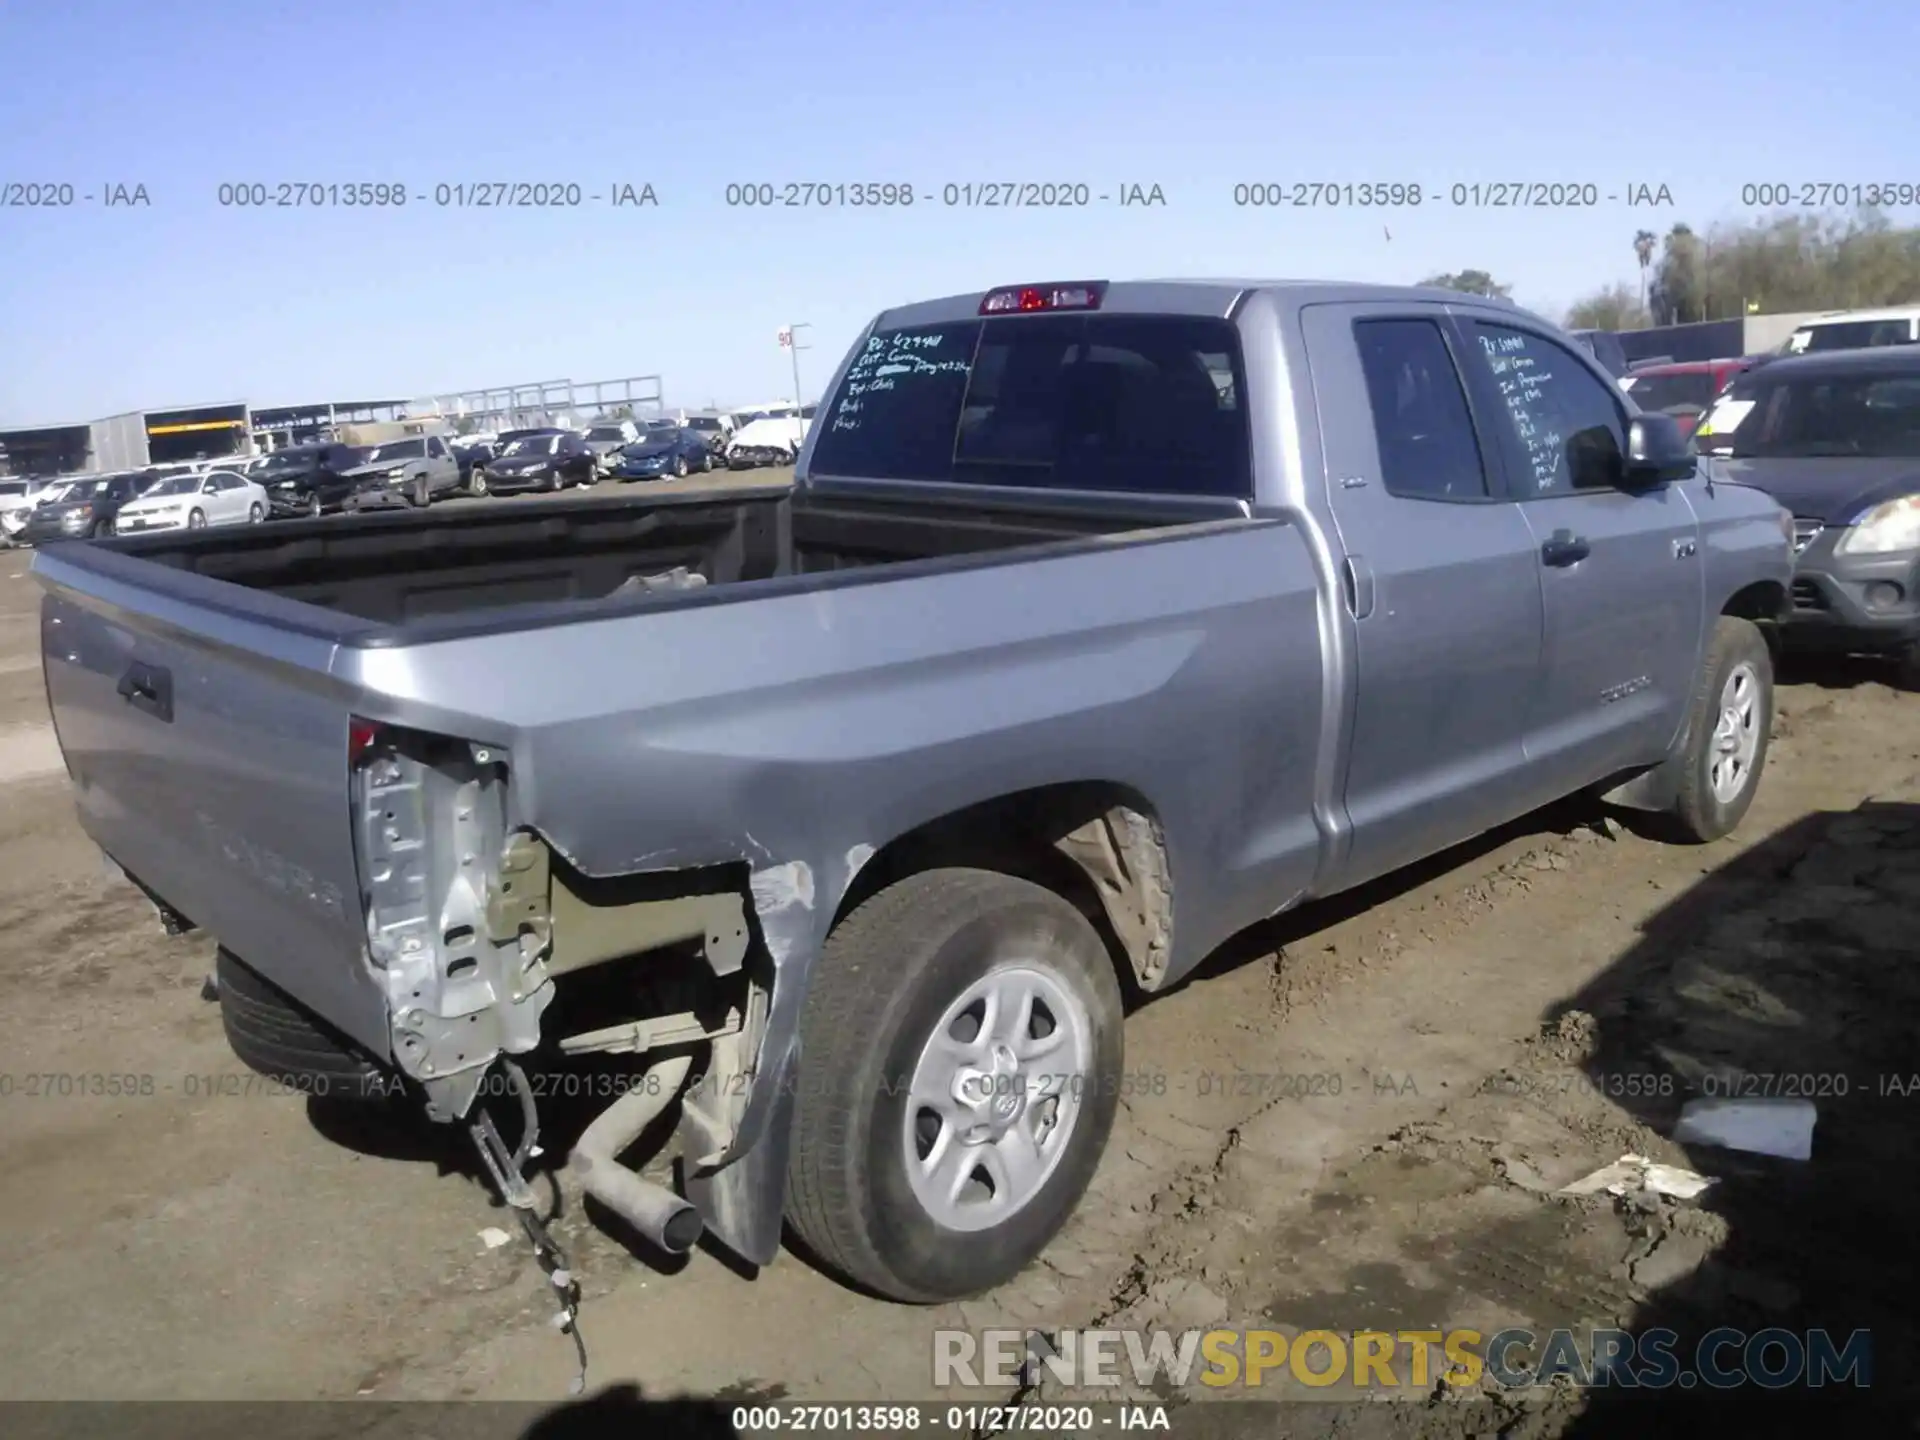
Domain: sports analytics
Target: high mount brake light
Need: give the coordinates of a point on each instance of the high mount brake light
(1019, 299)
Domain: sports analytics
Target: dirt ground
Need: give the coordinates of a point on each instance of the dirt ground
(1475, 1034)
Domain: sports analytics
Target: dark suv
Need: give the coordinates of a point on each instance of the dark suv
(308, 479)
(84, 509)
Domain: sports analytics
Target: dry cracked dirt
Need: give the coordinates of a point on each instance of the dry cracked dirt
(1354, 1117)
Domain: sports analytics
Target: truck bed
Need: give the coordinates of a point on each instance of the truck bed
(397, 568)
(208, 689)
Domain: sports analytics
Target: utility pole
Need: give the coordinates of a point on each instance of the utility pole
(790, 339)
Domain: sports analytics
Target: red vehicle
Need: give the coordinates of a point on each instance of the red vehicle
(1683, 388)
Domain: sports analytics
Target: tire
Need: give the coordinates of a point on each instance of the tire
(1907, 668)
(256, 513)
(555, 482)
(313, 506)
(274, 1035)
(196, 519)
(706, 461)
(477, 485)
(889, 975)
(423, 493)
(680, 467)
(1729, 726)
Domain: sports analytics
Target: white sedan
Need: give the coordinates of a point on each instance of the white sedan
(192, 502)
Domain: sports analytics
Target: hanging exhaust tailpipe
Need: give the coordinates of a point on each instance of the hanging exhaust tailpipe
(652, 1209)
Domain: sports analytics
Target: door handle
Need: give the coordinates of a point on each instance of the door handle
(1564, 548)
(149, 688)
(1359, 585)
(1684, 549)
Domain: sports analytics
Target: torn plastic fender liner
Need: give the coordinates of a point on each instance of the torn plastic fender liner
(739, 1183)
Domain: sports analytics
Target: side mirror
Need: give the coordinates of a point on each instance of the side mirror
(1659, 452)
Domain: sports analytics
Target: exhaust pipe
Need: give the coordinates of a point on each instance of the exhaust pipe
(652, 1209)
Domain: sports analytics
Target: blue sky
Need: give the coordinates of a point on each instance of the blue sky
(183, 301)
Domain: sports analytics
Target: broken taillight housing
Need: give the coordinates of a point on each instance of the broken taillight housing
(361, 737)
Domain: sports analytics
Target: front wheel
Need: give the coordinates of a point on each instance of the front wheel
(963, 1052)
(477, 485)
(706, 461)
(555, 482)
(1729, 725)
(313, 506)
(256, 513)
(197, 520)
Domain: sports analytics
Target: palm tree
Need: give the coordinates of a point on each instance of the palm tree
(1643, 244)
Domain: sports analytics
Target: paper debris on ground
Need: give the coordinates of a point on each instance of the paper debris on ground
(494, 1238)
(1632, 1173)
(1782, 1128)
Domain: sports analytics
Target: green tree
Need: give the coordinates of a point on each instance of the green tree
(1644, 244)
(1471, 282)
(1615, 308)
(1679, 290)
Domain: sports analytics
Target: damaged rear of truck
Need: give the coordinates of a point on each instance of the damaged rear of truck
(852, 811)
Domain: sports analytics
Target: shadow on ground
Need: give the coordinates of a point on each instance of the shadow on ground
(1792, 973)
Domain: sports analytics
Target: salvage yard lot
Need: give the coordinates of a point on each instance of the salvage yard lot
(1350, 1118)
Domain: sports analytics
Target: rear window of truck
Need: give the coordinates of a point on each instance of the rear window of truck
(1057, 402)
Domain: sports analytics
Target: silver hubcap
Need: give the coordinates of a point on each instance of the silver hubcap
(995, 1095)
(1736, 735)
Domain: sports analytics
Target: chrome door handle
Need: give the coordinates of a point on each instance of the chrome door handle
(1684, 549)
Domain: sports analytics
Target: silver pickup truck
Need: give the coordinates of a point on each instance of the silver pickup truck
(1101, 622)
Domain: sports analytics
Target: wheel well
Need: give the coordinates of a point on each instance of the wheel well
(1762, 600)
(1096, 844)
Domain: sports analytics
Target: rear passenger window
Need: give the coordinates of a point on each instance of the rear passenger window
(1428, 449)
(1563, 427)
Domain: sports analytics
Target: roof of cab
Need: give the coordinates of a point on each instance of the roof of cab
(1849, 317)
(1873, 360)
(1201, 296)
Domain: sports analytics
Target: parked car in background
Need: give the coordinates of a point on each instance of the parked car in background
(1073, 655)
(18, 497)
(1835, 437)
(80, 509)
(1856, 330)
(670, 451)
(469, 455)
(308, 479)
(608, 439)
(714, 429)
(419, 469)
(193, 502)
(1683, 389)
(1605, 347)
(539, 460)
(774, 441)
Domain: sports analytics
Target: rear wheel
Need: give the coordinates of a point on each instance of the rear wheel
(476, 484)
(962, 1043)
(555, 481)
(272, 1033)
(1729, 725)
(706, 460)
